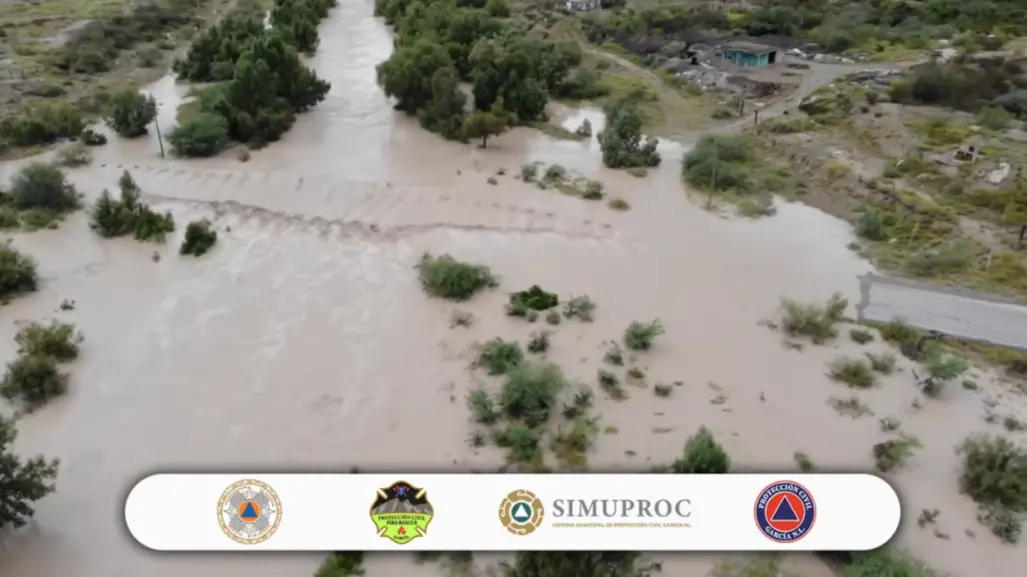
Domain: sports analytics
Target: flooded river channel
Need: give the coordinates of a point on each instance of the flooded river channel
(303, 340)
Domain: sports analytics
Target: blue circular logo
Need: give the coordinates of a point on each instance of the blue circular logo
(785, 512)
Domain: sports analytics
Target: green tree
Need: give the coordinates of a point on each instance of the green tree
(444, 113)
(22, 481)
(201, 135)
(621, 141)
(703, 456)
(481, 124)
(407, 75)
(129, 113)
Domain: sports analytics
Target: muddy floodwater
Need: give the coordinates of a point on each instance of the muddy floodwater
(304, 340)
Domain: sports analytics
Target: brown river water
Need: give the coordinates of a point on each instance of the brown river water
(303, 340)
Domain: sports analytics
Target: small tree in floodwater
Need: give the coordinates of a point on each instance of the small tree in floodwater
(22, 481)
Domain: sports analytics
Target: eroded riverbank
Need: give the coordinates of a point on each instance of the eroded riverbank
(303, 339)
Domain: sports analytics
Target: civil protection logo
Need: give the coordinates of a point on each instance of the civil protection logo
(521, 512)
(401, 512)
(785, 511)
(249, 512)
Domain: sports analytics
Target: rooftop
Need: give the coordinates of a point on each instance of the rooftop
(747, 47)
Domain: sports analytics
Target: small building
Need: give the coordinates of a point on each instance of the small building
(583, 5)
(748, 54)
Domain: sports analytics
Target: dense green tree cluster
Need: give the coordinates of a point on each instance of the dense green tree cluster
(112, 218)
(22, 481)
(266, 83)
(837, 25)
(441, 43)
(621, 141)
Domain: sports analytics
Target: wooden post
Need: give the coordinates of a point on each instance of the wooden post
(756, 117)
(160, 138)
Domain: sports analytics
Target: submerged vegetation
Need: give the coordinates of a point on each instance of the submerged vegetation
(445, 277)
(128, 215)
(261, 82)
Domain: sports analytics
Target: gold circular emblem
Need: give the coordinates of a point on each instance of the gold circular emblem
(249, 512)
(521, 512)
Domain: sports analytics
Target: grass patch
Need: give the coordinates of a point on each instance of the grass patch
(994, 475)
(851, 407)
(483, 408)
(610, 383)
(853, 372)
(556, 131)
(342, 564)
(816, 322)
(803, 461)
(618, 204)
(445, 277)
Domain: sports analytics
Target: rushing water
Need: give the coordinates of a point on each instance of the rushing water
(303, 340)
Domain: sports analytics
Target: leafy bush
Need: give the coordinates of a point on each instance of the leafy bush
(945, 367)
(129, 112)
(522, 440)
(816, 322)
(200, 236)
(852, 372)
(530, 392)
(111, 218)
(621, 141)
(861, 336)
(994, 118)
(482, 407)
(580, 307)
(640, 336)
(445, 277)
(75, 154)
(42, 186)
(499, 357)
(534, 299)
(34, 380)
(17, 272)
(893, 453)
(883, 363)
(22, 481)
(539, 342)
(58, 340)
(719, 162)
(41, 123)
(571, 445)
(199, 136)
(870, 225)
(994, 472)
(90, 137)
(703, 456)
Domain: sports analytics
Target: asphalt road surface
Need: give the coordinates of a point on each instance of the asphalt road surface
(956, 313)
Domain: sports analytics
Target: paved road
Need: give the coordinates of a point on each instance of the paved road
(957, 313)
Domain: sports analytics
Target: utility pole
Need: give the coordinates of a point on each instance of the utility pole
(156, 123)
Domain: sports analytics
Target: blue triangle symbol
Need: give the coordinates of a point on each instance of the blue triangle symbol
(785, 512)
(250, 513)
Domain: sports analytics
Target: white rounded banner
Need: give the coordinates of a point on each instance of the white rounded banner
(499, 512)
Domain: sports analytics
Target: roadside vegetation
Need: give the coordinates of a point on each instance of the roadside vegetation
(65, 61)
(200, 237)
(995, 476)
